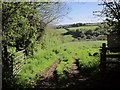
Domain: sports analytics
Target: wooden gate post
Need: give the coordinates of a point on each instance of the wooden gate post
(103, 58)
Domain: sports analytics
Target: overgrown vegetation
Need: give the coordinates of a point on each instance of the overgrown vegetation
(25, 28)
(54, 46)
(20, 26)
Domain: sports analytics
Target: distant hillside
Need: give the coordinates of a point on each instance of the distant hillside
(78, 25)
(85, 31)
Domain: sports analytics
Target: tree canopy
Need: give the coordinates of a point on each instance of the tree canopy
(111, 11)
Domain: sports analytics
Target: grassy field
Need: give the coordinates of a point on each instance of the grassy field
(92, 27)
(83, 51)
(54, 46)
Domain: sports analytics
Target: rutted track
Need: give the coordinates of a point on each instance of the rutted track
(75, 78)
(48, 78)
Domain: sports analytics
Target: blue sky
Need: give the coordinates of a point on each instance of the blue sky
(81, 12)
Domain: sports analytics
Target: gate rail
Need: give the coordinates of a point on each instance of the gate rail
(114, 53)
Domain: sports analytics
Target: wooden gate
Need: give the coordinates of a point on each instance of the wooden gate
(18, 62)
(106, 53)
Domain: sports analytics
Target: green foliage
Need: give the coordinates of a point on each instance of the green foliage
(51, 39)
(87, 52)
(88, 32)
(34, 66)
(20, 25)
(57, 47)
(112, 13)
(23, 24)
(54, 46)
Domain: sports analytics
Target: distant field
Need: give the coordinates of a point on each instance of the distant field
(92, 27)
(90, 44)
(84, 27)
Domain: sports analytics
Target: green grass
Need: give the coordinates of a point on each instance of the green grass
(54, 46)
(34, 66)
(92, 27)
(43, 58)
(51, 38)
(83, 51)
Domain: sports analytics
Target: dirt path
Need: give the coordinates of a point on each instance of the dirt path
(48, 77)
(76, 80)
(75, 72)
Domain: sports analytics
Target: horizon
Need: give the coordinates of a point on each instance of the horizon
(80, 22)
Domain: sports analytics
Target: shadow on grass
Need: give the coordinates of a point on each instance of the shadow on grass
(109, 79)
(87, 78)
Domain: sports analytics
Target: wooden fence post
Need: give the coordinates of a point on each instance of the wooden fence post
(103, 58)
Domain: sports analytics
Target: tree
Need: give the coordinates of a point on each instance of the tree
(51, 11)
(111, 11)
(20, 24)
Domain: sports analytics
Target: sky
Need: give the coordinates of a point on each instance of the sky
(81, 12)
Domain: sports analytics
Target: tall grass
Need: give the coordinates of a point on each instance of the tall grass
(43, 57)
(87, 52)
